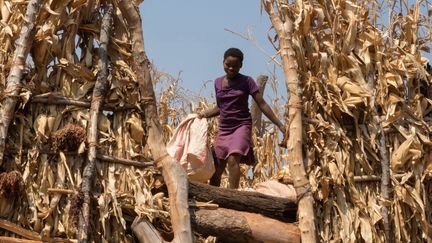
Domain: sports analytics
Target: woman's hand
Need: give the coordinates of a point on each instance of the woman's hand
(209, 113)
(201, 115)
(282, 128)
(284, 141)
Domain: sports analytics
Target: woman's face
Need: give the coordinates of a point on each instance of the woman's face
(232, 66)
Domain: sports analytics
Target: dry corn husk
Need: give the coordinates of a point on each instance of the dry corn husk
(337, 43)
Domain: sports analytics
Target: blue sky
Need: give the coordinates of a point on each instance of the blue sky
(189, 37)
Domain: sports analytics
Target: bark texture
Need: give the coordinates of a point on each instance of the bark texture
(174, 175)
(14, 79)
(385, 163)
(274, 207)
(99, 93)
(234, 226)
(228, 226)
(284, 28)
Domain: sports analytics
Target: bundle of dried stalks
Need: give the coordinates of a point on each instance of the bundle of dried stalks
(365, 113)
(365, 98)
(47, 139)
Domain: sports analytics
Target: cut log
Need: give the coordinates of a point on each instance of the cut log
(274, 207)
(234, 226)
(228, 226)
(145, 231)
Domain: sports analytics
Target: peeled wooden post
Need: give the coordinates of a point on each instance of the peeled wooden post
(99, 91)
(255, 110)
(14, 84)
(174, 175)
(284, 29)
(145, 232)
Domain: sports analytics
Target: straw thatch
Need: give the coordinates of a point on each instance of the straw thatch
(365, 105)
(365, 113)
(46, 141)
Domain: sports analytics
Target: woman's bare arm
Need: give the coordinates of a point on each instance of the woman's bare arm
(265, 108)
(211, 112)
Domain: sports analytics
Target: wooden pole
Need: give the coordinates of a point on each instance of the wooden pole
(385, 163)
(60, 100)
(14, 84)
(255, 110)
(5, 239)
(99, 91)
(284, 29)
(174, 175)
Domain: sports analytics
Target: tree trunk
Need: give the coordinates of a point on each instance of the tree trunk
(234, 226)
(228, 226)
(274, 207)
(14, 84)
(99, 92)
(174, 175)
(284, 29)
(255, 110)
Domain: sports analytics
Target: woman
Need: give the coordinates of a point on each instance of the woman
(233, 144)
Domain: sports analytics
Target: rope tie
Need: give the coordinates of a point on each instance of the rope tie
(147, 100)
(305, 189)
(295, 106)
(92, 144)
(97, 98)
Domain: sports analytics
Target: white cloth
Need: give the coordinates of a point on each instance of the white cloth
(188, 146)
(276, 189)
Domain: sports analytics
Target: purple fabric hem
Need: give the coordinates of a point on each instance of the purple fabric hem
(245, 158)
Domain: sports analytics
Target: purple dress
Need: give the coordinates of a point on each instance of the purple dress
(235, 122)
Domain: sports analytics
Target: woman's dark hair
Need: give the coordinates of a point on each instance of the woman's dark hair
(234, 52)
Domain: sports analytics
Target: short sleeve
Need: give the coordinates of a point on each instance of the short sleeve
(253, 87)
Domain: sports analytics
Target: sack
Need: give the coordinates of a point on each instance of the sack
(276, 189)
(188, 146)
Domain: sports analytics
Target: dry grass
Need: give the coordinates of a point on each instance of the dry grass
(338, 44)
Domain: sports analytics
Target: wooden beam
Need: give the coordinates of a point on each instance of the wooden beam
(274, 207)
(61, 100)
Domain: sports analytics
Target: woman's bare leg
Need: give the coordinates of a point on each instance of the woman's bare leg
(233, 162)
(215, 180)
